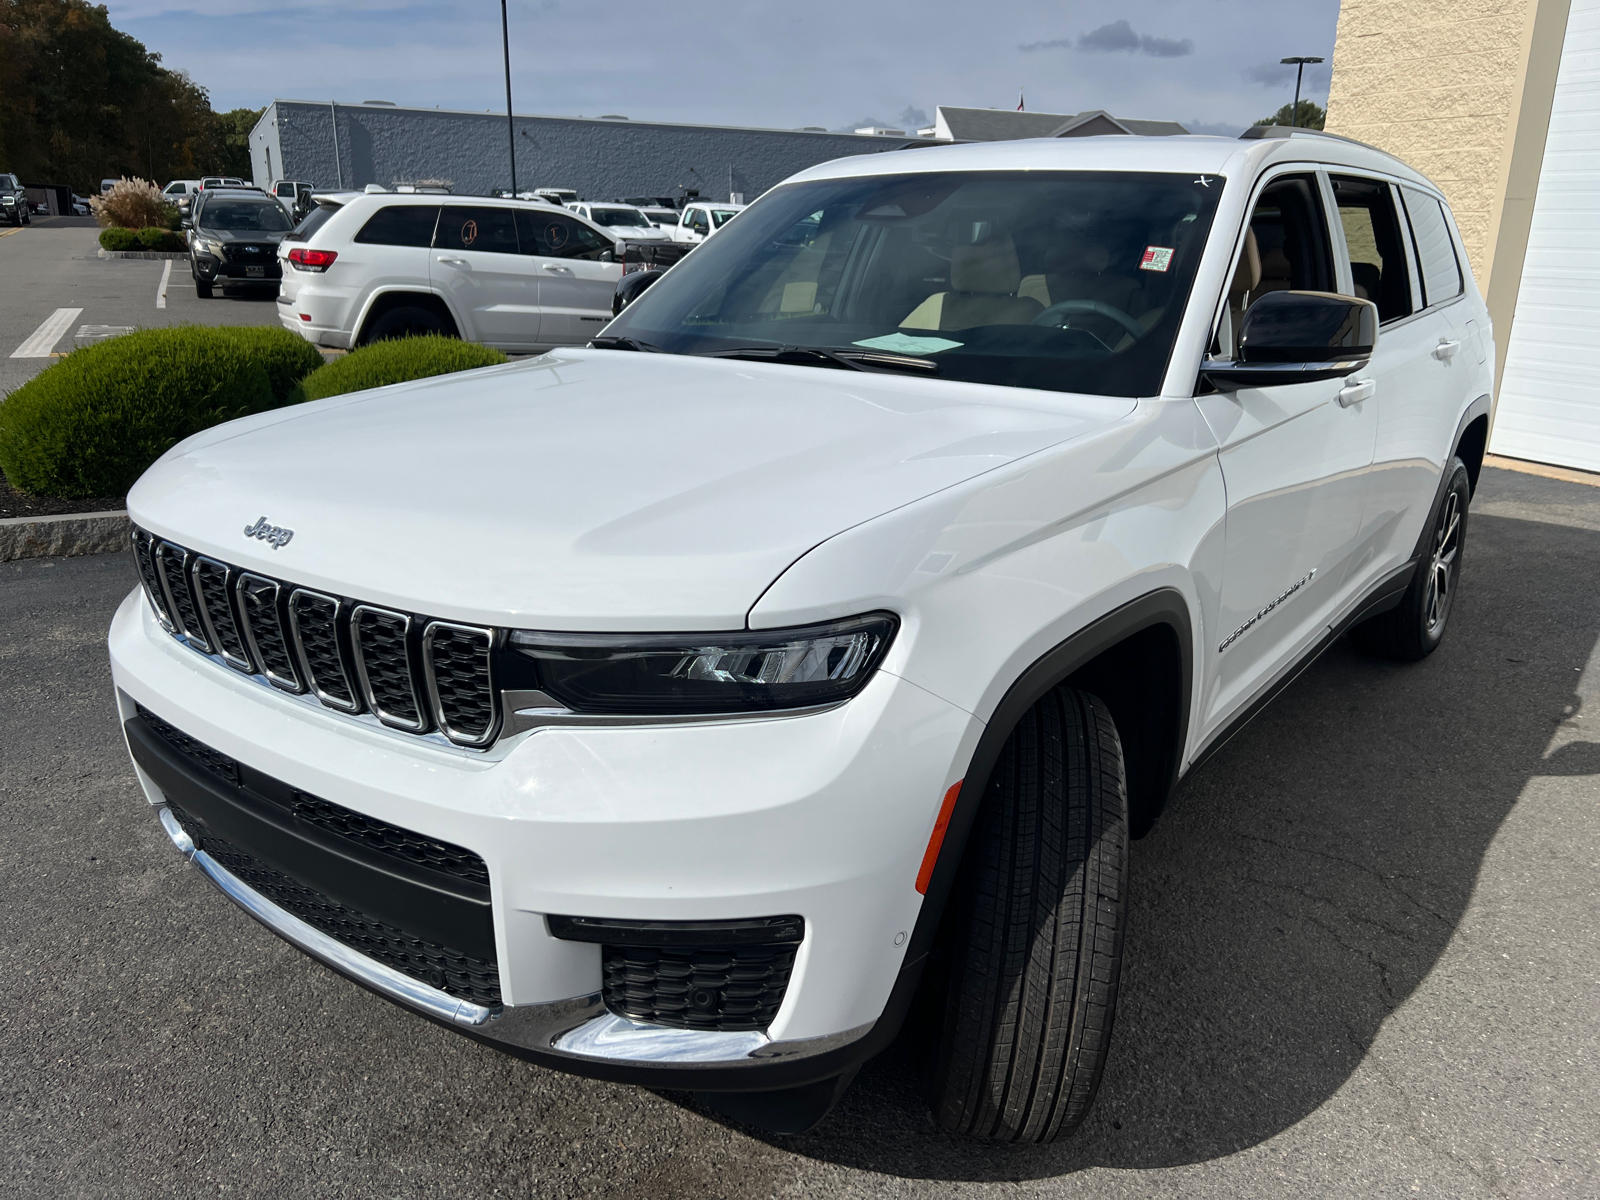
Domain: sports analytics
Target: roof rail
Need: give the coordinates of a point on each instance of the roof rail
(1258, 132)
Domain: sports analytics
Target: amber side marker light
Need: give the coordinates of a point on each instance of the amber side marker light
(937, 839)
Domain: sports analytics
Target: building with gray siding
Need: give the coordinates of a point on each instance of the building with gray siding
(352, 145)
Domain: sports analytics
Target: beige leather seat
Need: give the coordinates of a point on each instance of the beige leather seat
(1246, 278)
(1275, 273)
(983, 290)
(1076, 271)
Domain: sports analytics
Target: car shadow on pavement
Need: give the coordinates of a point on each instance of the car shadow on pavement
(1300, 886)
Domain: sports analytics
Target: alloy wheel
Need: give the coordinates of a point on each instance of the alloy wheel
(1441, 571)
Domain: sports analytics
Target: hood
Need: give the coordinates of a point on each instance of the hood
(587, 489)
(227, 236)
(639, 233)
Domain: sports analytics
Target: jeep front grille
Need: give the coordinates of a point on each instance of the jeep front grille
(411, 672)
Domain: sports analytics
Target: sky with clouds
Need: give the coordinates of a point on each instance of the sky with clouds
(1212, 64)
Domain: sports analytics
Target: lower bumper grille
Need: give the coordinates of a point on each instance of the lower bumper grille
(438, 966)
(698, 989)
(727, 976)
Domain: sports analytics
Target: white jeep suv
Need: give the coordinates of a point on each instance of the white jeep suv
(819, 636)
(519, 275)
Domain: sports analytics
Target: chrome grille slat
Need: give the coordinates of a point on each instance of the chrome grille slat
(144, 547)
(264, 632)
(213, 592)
(383, 661)
(314, 619)
(458, 663)
(172, 565)
(357, 659)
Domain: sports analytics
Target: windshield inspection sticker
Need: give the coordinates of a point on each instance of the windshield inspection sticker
(1156, 258)
(900, 343)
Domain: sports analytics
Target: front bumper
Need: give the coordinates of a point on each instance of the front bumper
(214, 270)
(825, 816)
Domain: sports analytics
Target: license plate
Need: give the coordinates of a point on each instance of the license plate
(255, 272)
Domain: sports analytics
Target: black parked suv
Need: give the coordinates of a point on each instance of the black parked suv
(233, 239)
(13, 201)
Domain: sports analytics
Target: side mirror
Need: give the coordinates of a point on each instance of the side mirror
(631, 286)
(1298, 337)
(186, 223)
(608, 256)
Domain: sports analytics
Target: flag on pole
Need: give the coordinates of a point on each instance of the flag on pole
(1019, 100)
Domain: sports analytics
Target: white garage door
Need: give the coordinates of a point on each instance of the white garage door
(1549, 408)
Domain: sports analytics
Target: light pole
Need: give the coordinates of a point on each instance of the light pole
(1299, 65)
(511, 127)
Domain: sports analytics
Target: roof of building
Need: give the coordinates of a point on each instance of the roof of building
(1004, 125)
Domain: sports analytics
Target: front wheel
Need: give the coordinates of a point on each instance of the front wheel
(202, 288)
(1413, 629)
(1041, 905)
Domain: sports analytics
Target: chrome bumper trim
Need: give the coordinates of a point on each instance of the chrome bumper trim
(579, 1028)
(319, 945)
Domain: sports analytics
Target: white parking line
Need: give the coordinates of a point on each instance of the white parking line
(161, 292)
(45, 337)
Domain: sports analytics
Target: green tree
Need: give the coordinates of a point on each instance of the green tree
(81, 101)
(1310, 115)
(233, 138)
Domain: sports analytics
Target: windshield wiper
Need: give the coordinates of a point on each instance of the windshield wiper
(850, 360)
(617, 342)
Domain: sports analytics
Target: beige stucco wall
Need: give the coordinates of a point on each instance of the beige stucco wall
(1461, 90)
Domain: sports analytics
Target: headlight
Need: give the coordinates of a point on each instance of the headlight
(211, 247)
(648, 674)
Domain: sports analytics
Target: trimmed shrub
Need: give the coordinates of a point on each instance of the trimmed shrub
(133, 204)
(396, 361)
(117, 238)
(286, 357)
(153, 237)
(91, 424)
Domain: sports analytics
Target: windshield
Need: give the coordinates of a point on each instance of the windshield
(721, 216)
(618, 216)
(1064, 281)
(257, 216)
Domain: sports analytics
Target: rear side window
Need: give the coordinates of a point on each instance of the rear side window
(314, 220)
(1436, 253)
(554, 235)
(400, 225)
(1372, 237)
(476, 227)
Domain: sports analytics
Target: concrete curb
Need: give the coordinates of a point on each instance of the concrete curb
(155, 254)
(52, 537)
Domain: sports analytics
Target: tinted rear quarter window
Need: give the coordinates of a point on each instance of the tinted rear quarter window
(314, 220)
(1436, 253)
(400, 225)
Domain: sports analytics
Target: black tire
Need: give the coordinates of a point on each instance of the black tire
(1037, 951)
(407, 320)
(1413, 629)
(27, 215)
(202, 288)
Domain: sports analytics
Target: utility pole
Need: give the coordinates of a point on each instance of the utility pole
(1299, 65)
(511, 125)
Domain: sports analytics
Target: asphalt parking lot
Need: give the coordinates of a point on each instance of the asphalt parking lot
(54, 265)
(1363, 960)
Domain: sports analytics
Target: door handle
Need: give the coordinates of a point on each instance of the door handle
(1357, 390)
(555, 270)
(456, 262)
(1446, 349)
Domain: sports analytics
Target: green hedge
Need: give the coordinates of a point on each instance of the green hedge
(118, 239)
(93, 422)
(396, 361)
(153, 237)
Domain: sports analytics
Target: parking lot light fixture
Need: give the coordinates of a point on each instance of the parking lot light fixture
(511, 127)
(1299, 65)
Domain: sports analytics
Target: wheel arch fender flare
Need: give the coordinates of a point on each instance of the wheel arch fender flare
(1164, 609)
(380, 295)
(1472, 437)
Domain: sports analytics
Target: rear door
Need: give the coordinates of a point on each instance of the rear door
(1295, 459)
(476, 262)
(575, 285)
(1421, 366)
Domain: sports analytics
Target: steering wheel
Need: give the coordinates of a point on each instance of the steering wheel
(1066, 308)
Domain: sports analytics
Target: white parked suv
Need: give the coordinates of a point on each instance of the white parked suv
(818, 638)
(519, 275)
(621, 220)
(700, 219)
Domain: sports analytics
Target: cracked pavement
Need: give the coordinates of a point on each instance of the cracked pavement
(1362, 960)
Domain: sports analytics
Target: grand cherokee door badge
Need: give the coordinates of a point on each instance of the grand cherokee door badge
(1289, 591)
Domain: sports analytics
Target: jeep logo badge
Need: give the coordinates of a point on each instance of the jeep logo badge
(276, 535)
